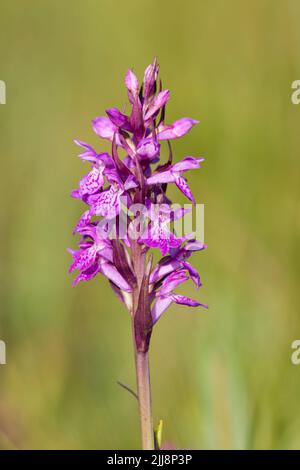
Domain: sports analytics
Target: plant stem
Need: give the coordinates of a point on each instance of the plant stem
(144, 397)
(141, 353)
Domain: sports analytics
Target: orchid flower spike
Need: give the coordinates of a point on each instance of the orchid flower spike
(127, 212)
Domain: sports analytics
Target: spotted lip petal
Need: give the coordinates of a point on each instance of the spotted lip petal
(158, 102)
(158, 234)
(132, 85)
(107, 204)
(92, 182)
(160, 307)
(89, 154)
(173, 280)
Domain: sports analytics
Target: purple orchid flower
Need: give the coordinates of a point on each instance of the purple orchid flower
(148, 148)
(177, 129)
(177, 259)
(112, 186)
(165, 295)
(112, 180)
(174, 175)
(158, 233)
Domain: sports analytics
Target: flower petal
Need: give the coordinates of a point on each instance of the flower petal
(179, 213)
(163, 177)
(159, 236)
(90, 154)
(183, 300)
(195, 245)
(87, 275)
(160, 307)
(118, 119)
(188, 163)
(193, 273)
(84, 259)
(130, 183)
(158, 102)
(132, 85)
(111, 272)
(136, 118)
(148, 148)
(92, 182)
(172, 281)
(83, 221)
(177, 129)
(184, 188)
(107, 203)
(161, 270)
(103, 127)
(75, 194)
(150, 77)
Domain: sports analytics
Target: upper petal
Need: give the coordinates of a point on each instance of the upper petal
(184, 188)
(148, 148)
(160, 306)
(158, 102)
(183, 300)
(132, 85)
(92, 182)
(103, 127)
(177, 129)
(163, 177)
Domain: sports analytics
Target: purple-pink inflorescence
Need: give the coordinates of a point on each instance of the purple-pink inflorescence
(113, 185)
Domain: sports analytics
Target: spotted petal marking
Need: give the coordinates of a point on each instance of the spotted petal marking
(92, 182)
(183, 300)
(184, 188)
(108, 203)
(84, 259)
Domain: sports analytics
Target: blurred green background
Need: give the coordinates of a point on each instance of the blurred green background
(222, 379)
